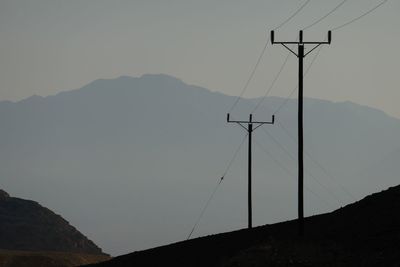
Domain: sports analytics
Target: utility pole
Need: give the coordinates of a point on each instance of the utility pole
(301, 55)
(250, 130)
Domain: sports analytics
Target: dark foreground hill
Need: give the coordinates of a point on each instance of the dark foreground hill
(366, 233)
(31, 235)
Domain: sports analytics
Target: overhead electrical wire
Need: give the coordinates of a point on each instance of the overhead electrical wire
(250, 77)
(292, 16)
(253, 70)
(286, 99)
(216, 187)
(307, 172)
(311, 64)
(328, 174)
(234, 157)
(361, 16)
(204, 208)
(309, 67)
(324, 16)
(334, 29)
(272, 84)
(319, 49)
(290, 174)
(284, 63)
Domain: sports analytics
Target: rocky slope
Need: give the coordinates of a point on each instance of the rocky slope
(366, 233)
(26, 225)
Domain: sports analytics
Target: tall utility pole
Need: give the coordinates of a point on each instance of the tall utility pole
(301, 55)
(250, 130)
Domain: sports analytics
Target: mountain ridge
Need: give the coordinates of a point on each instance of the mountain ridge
(172, 79)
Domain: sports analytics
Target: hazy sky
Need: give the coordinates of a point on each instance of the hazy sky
(47, 46)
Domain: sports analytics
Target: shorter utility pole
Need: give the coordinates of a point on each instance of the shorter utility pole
(250, 130)
(301, 54)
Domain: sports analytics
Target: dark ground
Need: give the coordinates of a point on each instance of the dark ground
(366, 233)
(12, 258)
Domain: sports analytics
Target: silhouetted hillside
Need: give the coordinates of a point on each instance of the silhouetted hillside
(366, 233)
(26, 225)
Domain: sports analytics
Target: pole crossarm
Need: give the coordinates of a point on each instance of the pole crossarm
(250, 120)
(301, 42)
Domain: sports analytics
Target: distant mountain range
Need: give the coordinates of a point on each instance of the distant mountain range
(131, 161)
(365, 233)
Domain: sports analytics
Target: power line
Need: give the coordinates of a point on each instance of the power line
(283, 65)
(306, 171)
(361, 16)
(334, 29)
(285, 101)
(272, 84)
(329, 175)
(253, 71)
(234, 157)
(292, 16)
(216, 188)
(204, 208)
(324, 16)
(319, 49)
(301, 55)
(283, 167)
(250, 77)
(305, 28)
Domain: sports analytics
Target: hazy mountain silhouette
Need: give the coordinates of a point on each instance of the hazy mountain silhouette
(364, 233)
(130, 161)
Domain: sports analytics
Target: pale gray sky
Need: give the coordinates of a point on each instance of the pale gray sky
(48, 46)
